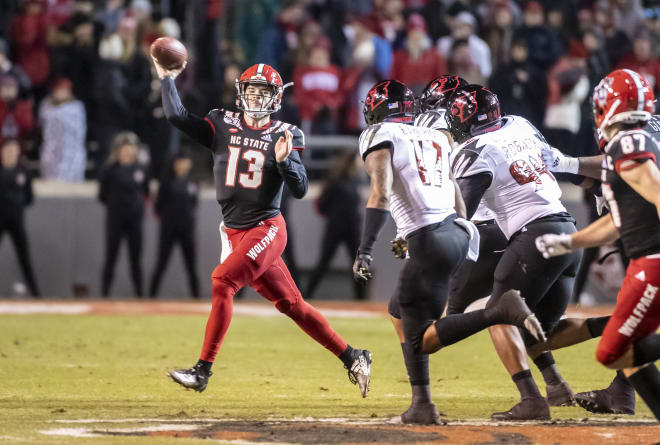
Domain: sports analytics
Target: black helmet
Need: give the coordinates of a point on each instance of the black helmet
(389, 99)
(469, 109)
(437, 92)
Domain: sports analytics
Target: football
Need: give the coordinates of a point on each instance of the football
(169, 52)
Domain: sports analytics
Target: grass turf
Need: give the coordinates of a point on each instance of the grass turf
(113, 367)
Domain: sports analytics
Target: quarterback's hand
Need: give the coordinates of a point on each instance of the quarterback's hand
(399, 248)
(558, 162)
(283, 146)
(164, 72)
(551, 244)
(361, 272)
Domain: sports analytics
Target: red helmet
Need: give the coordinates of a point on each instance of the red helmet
(260, 74)
(622, 96)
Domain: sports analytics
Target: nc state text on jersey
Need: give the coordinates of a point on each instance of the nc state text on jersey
(248, 142)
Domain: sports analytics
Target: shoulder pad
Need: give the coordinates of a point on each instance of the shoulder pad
(434, 119)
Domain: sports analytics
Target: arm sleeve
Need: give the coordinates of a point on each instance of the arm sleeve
(194, 126)
(473, 189)
(294, 174)
(298, 141)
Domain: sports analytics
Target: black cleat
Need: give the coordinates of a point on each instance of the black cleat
(560, 394)
(607, 401)
(360, 370)
(193, 378)
(527, 409)
(419, 414)
(512, 309)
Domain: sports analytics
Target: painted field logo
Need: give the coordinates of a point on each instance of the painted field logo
(640, 310)
(261, 245)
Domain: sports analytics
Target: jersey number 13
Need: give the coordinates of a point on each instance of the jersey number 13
(255, 172)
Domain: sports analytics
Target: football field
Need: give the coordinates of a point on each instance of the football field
(97, 374)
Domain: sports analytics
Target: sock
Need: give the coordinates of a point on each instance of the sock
(546, 364)
(646, 350)
(596, 325)
(456, 327)
(646, 382)
(417, 366)
(205, 366)
(310, 320)
(421, 394)
(526, 385)
(222, 307)
(347, 356)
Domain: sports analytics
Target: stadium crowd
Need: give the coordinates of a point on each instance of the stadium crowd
(75, 75)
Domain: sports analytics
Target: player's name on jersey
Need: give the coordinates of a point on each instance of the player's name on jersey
(419, 132)
(519, 145)
(249, 142)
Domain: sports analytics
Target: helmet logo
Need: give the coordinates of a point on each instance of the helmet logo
(465, 106)
(370, 101)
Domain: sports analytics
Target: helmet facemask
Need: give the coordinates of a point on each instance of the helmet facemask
(270, 103)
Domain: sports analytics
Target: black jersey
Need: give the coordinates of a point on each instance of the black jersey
(15, 189)
(635, 217)
(652, 127)
(248, 179)
(123, 188)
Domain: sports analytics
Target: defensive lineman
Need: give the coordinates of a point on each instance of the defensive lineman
(253, 156)
(409, 171)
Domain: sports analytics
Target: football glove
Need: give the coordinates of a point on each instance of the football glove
(361, 272)
(399, 248)
(558, 162)
(551, 244)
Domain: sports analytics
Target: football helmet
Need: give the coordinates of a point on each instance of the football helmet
(436, 94)
(260, 74)
(391, 100)
(622, 96)
(471, 109)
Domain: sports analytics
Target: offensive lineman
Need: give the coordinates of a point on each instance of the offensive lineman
(253, 156)
(409, 176)
(499, 164)
(623, 102)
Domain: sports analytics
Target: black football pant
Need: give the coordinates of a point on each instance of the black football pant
(184, 235)
(545, 284)
(118, 227)
(436, 251)
(333, 238)
(15, 226)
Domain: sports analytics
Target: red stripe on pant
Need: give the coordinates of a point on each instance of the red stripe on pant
(256, 261)
(637, 311)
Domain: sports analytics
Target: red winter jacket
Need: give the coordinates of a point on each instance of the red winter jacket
(316, 88)
(16, 121)
(29, 36)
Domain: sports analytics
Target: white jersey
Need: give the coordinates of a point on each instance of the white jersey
(435, 119)
(522, 189)
(422, 192)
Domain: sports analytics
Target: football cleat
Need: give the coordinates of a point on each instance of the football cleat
(606, 401)
(560, 394)
(511, 309)
(193, 378)
(359, 373)
(527, 409)
(419, 414)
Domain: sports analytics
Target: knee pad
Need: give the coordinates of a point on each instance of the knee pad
(288, 306)
(394, 308)
(222, 287)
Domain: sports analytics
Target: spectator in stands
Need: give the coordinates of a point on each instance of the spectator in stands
(228, 97)
(111, 105)
(544, 46)
(63, 125)
(568, 87)
(520, 86)
(641, 59)
(317, 88)
(111, 15)
(617, 42)
(16, 115)
(176, 206)
(418, 60)
(653, 26)
(15, 195)
(501, 31)
(276, 40)
(7, 67)
(123, 190)
(372, 47)
(29, 35)
(82, 56)
(464, 28)
(598, 63)
(339, 203)
(386, 20)
(461, 62)
(252, 21)
(434, 11)
(628, 16)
